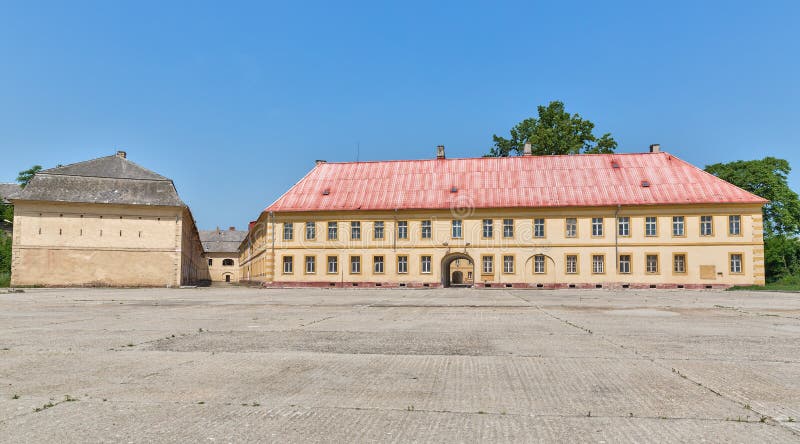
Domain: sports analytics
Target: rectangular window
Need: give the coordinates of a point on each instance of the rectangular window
(456, 232)
(572, 227)
(210, 261)
(488, 228)
(427, 232)
(571, 262)
(487, 264)
(679, 263)
(538, 264)
(678, 226)
(333, 264)
(288, 231)
(734, 225)
(311, 230)
(508, 264)
(378, 230)
(333, 230)
(508, 228)
(355, 264)
(538, 227)
(597, 226)
(651, 263)
(426, 264)
(288, 265)
(402, 264)
(402, 229)
(624, 263)
(598, 264)
(736, 263)
(650, 226)
(311, 264)
(355, 230)
(624, 226)
(706, 226)
(377, 264)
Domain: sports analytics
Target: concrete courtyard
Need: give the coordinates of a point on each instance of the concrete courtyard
(318, 365)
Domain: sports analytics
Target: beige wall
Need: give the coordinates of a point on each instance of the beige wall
(219, 271)
(260, 262)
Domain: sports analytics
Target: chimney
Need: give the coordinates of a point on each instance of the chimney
(527, 151)
(121, 154)
(320, 161)
(655, 148)
(440, 152)
(231, 228)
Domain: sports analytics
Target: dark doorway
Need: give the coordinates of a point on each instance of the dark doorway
(458, 270)
(227, 278)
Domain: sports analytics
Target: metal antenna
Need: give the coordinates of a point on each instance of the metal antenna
(358, 150)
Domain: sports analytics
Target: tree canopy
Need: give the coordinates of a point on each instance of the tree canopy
(25, 176)
(554, 131)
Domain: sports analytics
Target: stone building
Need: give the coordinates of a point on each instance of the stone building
(104, 222)
(221, 250)
(642, 220)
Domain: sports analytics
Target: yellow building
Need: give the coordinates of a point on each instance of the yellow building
(646, 220)
(221, 250)
(104, 222)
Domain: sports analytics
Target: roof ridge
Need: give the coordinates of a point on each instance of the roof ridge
(56, 170)
(489, 158)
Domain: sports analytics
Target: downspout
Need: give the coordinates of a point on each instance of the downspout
(394, 232)
(272, 216)
(616, 238)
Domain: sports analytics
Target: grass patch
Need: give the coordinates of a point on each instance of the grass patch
(789, 283)
(5, 279)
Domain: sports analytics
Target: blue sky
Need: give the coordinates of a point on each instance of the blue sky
(235, 100)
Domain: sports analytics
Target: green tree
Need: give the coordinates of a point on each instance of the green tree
(25, 176)
(555, 131)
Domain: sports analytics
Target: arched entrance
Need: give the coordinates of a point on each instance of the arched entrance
(227, 278)
(458, 270)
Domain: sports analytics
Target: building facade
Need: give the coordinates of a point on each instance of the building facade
(104, 222)
(612, 220)
(221, 250)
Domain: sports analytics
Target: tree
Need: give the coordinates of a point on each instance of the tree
(25, 176)
(555, 131)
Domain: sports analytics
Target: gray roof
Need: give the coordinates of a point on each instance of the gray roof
(221, 241)
(6, 190)
(106, 180)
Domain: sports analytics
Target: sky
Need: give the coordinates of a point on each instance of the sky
(235, 101)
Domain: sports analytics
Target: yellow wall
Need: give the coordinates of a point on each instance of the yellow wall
(219, 271)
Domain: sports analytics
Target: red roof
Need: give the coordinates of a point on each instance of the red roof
(509, 182)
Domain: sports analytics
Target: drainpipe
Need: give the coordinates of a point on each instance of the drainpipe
(616, 238)
(394, 232)
(272, 217)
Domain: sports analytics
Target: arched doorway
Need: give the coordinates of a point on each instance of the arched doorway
(227, 278)
(458, 270)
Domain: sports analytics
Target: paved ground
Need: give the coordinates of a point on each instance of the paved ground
(235, 365)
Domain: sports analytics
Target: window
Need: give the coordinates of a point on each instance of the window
(572, 227)
(402, 264)
(736, 263)
(456, 232)
(487, 264)
(678, 226)
(210, 262)
(538, 227)
(706, 226)
(650, 226)
(288, 265)
(402, 229)
(508, 228)
(355, 264)
(311, 230)
(355, 230)
(624, 263)
(333, 264)
(571, 262)
(598, 264)
(624, 226)
(377, 264)
(597, 226)
(378, 230)
(538, 264)
(227, 262)
(333, 230)
(734, 225)
(426, 264)
(488, 228)
(679, 263)
(508, 264)
(426, 229)
(651, 263)
(311, 264)
(288, 231)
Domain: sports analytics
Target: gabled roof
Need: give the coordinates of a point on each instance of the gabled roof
(8, 189)
(221, 241)
(509, 182)
(107, 180)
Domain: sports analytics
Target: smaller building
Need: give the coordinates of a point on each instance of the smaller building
(6, 190)
(221, 250)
